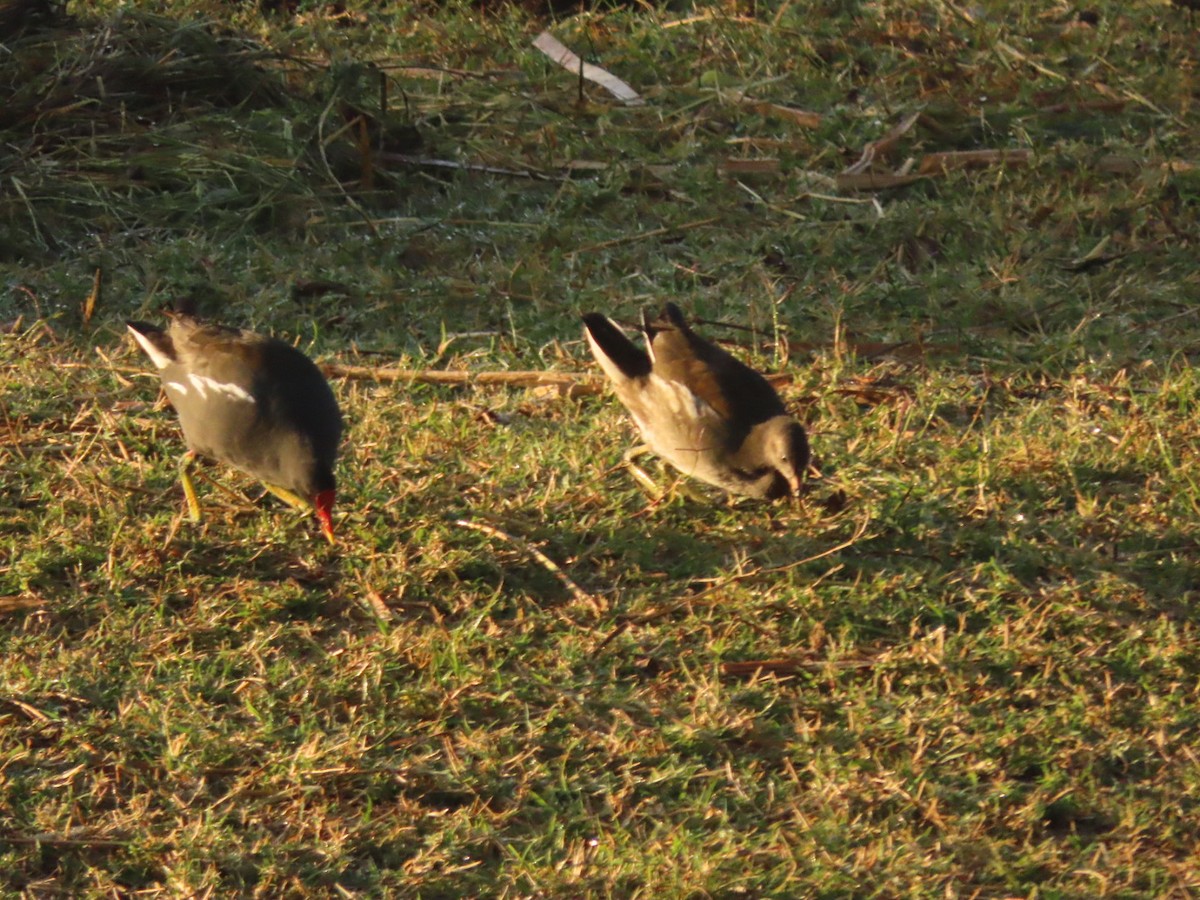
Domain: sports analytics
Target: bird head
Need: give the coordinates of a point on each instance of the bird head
(786, 449)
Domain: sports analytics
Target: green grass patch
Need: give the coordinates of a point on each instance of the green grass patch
(965, 665)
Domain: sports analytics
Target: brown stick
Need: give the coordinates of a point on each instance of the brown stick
(530, 378)
(973, 159)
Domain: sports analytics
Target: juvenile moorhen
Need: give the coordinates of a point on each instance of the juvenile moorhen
(253, 402)
(704, 412)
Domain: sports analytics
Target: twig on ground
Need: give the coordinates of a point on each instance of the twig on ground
(530, 378)
(668, 609)
(546, 562)
(644, 235)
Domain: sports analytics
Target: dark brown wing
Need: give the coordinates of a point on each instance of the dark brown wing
(186, 328)
(738, 393)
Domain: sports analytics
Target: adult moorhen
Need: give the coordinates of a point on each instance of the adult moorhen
(254, 402)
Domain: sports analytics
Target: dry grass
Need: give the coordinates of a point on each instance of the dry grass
(966, 665)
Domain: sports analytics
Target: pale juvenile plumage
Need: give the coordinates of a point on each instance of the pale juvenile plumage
(709, 415)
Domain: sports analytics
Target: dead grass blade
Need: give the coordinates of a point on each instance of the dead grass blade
(712, 592)
(430, 163)
(1014, 54)
(736, 166)
(93, 297)
(752, 668)
(71, 839)
(953, 160)
(20, 603)
(875, 181)
(561, 55)
(1118, 164)
(29, 710)
(802, 117)
(645, 235)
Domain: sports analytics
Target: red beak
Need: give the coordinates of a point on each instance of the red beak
(324, 506)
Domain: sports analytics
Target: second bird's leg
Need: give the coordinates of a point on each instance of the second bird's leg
(682, 484)
(189, 487)
(638, 473)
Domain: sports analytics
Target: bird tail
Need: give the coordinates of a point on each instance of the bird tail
(618, 356)
(671, 317)
(155, 341)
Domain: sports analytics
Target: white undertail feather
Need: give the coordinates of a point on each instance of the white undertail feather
(610, 368)
(160, 359)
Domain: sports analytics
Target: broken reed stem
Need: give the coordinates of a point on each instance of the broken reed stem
(844, 545)
(530, 378)
(783, 666)
(546, 562)
(644, 235)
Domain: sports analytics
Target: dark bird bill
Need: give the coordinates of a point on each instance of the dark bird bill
(706, 413)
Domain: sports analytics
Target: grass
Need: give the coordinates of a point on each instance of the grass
(966, 665)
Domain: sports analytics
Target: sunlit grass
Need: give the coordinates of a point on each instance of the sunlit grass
(965, 664)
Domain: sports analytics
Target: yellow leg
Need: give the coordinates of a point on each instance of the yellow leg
(189, 488)
(681, 483)
(638, 473)
(295, 501)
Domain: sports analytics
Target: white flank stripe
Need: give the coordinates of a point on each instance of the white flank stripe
(681, 402)
(160, 360)
(203, 384)
(179, 386)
